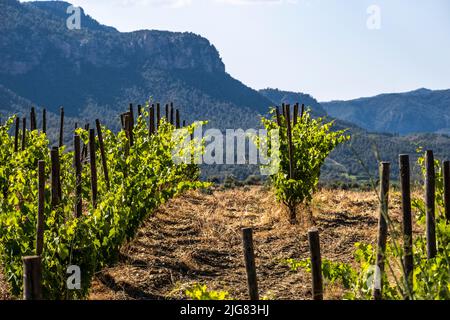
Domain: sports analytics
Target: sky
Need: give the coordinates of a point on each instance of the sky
(331, 49)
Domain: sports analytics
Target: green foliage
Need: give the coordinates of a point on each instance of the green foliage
(201, 292)
(139, 183)
(312, 141)
(357, 282)
(431, 277)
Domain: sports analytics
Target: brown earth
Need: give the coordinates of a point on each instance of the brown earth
(196, 238)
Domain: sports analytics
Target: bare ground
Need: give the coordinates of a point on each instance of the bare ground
(196, 238)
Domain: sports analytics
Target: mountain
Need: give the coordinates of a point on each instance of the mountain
(421, 110)
(279, 96)
(357, 160)
(98, 70)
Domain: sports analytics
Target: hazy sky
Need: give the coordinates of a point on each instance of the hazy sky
(323, 47)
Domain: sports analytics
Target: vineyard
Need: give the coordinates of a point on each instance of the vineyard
(118, 207)
(62, 208)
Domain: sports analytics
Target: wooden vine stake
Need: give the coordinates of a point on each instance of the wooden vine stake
(407, 220)
(32, 119)
(167, 112)
(24, 133)
(84, 150)
(316, 264)
(250, 266)
(16, 135)
(32, 278)
(55, 177)
(446, 175)
(129, 128)
(92, 162)
(122, 120)
(177, 118)
(290, 146)
(61, 127)
(295, 113)
(430, 194)
(152, 120)
(78, 181)
(126, 120)
(158, 115)
(277, 110)
(131, 112)
(171, 114)
(41, 205)
(102, 152)
(44, 121)
(382, 230)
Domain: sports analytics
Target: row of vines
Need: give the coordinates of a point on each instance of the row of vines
(141, 176)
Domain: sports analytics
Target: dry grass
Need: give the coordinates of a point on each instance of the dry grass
(197, 238)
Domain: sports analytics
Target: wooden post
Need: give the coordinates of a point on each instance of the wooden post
(78, 170)
(44, 121)
(32, 278)
(316, 264)
(24, 133)
(152, 120)
(129, 128)
(32, 119)
(295, 113)
(122, 120)
(102, 152)
(16, 135)
(446, 175)
(382, 226)
(167, 112)
(93, 167)
(407, 219)
(290, 146)
(184, 123)
(249, 256)
(177, 118)
(55, 178)
(158, 115)
(139, 110)
(126, 120)
(41, 205)
(171, 114)
(84, 150)
(277, 110)
(131, 112)
(61, 127)
(430, 204)
(303, 111)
